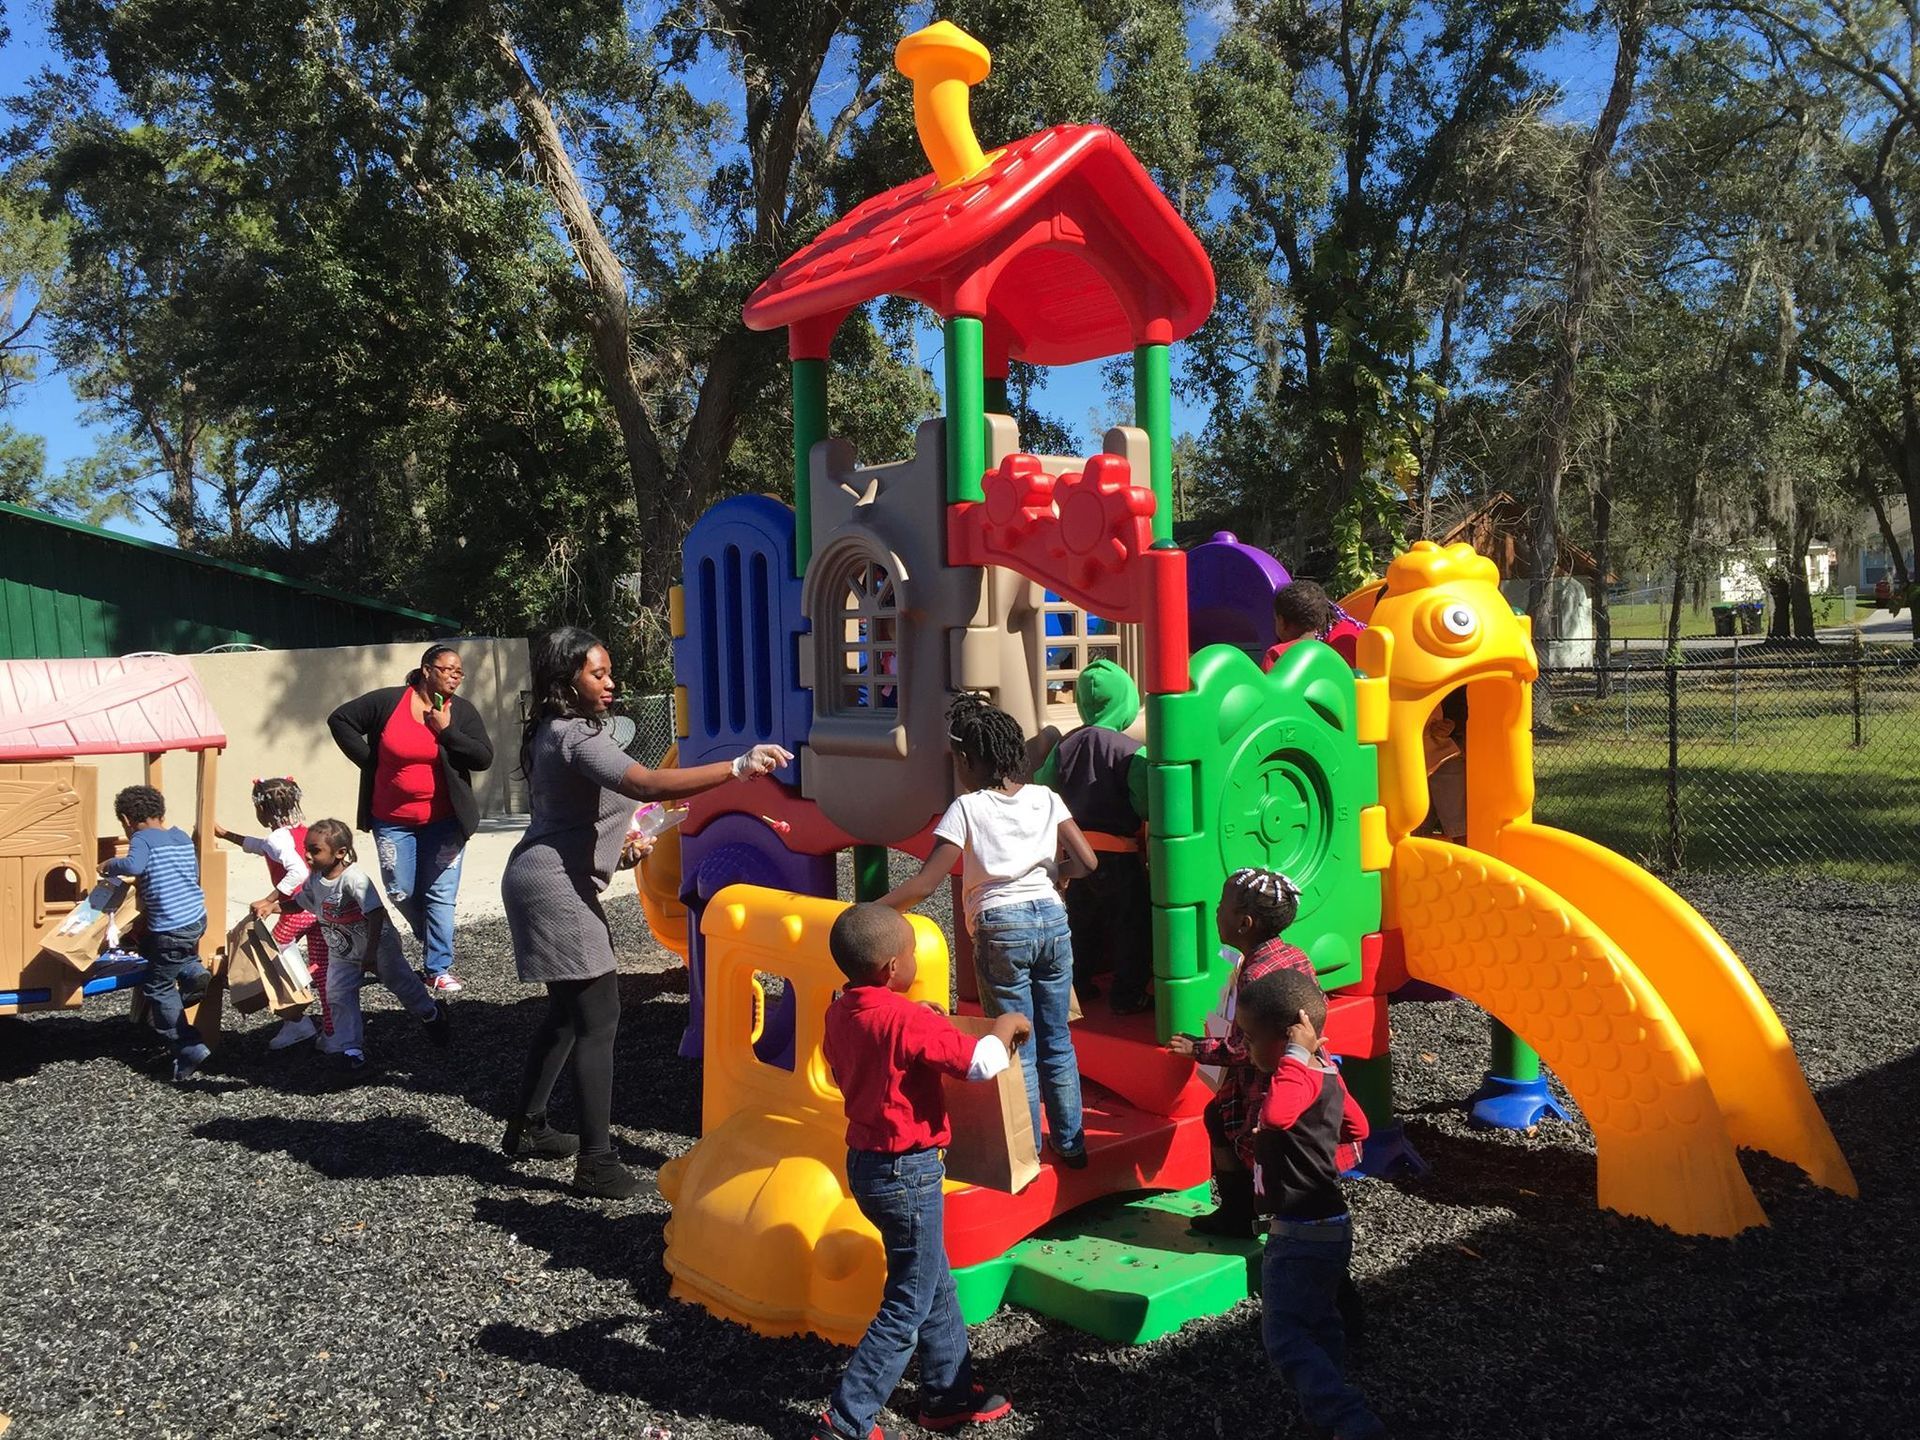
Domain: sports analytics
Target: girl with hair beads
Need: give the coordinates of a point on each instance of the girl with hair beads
(350, 915)
(1010, 835)
(1255, 906)
(276, 805)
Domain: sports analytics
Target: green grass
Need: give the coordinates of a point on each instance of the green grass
(1648, 621)
(1789, 791)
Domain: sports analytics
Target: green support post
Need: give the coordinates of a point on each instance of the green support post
(1512, 1057)
(870, 872)
(997, 401)
(1370, 1082)
(966, 409)
(809, 429)
(1153, 413)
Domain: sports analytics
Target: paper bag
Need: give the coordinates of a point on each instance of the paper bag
(257, 976)
(79, 936)
(1074, 1012)
(993, 1142)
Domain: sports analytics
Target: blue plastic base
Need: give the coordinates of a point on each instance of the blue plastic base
(1387, 1153)
(1502, 1103)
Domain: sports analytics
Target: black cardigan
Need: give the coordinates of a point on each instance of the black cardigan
(465, 747)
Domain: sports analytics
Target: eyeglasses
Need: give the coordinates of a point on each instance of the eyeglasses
(453, 670)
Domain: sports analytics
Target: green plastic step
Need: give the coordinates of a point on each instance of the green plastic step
(1124, 1270)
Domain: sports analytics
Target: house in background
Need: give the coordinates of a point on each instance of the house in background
(1864, 562)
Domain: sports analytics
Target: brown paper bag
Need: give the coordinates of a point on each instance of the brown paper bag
(78, 937)
(993, 1142)
(256, 979)
(1074, 1011)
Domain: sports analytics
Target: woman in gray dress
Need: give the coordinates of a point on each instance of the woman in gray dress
(583, 787)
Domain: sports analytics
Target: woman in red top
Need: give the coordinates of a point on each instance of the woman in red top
(417, 746)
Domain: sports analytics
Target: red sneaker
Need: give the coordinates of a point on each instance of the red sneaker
(979, 1407)
(825, 1429)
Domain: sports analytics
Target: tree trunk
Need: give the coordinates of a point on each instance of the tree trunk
(1603, 558)
(1681, 554)
(1583, 273)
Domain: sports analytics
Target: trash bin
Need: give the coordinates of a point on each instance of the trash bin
(1723, 620)
(1751, 614)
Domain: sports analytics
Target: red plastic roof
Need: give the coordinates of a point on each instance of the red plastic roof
(1063, 245)
(52, 709)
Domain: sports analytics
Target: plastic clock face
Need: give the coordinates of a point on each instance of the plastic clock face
(1277, 809)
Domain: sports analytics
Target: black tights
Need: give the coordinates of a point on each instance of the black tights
(581, 1020)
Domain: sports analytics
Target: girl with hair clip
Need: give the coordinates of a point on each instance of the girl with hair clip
(276, 805)
(418, 745)
(1255, 906)
(359, 938)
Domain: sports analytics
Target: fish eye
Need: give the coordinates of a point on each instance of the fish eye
(1459, 620)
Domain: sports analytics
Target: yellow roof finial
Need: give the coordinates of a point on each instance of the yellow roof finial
(944, 62)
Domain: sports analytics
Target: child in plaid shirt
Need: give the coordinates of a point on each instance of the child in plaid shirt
(1255, 906)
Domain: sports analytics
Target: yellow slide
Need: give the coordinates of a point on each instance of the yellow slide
(1502, 939)
(1749, 1060)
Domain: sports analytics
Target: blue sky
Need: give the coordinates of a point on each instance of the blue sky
(1074, 394)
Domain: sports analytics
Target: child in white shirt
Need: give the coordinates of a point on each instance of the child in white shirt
(1009, 835)
(276, 805)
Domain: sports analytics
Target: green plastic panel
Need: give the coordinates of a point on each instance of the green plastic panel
(1126, 1271)
(1253, 769)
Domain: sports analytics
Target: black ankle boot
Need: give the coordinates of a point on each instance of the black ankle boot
(1234, 1217)
(605, 1178)
(531, 1136)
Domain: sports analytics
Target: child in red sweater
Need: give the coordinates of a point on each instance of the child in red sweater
(1309, 1131)
(888, 1055)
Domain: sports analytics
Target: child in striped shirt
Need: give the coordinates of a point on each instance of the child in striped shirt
(161, 862)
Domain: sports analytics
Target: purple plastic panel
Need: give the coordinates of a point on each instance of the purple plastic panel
(1230, 594)
(739, 659)
(740, 850)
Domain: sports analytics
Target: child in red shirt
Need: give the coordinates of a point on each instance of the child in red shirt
(888, 1055)
(1304, 611)
(1309, 1131)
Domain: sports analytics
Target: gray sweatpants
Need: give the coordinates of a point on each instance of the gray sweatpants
(343, 991)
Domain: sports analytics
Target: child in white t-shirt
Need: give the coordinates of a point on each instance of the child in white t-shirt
(1009, 836)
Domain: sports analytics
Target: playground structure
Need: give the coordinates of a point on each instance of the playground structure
(839, 627)
(52, 842)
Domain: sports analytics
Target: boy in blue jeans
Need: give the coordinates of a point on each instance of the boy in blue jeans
(888, 1055)
(1309, 1131)
(161, 862)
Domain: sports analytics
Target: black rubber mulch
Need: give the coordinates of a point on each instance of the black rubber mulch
(259, 1255)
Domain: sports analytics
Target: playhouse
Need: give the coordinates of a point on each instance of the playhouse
(838, 627)
(53, 836)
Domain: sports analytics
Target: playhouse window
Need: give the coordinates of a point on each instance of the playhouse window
(1074, 640)
(867, 624)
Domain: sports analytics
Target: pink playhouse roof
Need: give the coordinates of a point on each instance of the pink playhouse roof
(50, 709)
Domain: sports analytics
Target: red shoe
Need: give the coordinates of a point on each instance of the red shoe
(978, 1407)
(825, 1429)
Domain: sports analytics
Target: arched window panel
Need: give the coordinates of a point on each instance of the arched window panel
(1071, 640)
(864, 663)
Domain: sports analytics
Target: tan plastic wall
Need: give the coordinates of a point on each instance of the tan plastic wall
(274, 705)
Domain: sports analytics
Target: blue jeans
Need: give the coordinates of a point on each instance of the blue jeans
(919, 1309)
(1023, 958)
(1300, 1280)
(420, 871)
(172, 956)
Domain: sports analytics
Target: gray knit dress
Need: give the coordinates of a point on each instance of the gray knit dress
(554, 877)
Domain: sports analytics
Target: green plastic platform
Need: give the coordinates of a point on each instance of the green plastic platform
(1124, 1270)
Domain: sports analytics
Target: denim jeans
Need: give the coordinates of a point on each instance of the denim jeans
(1300, 1280)
(919, 1309)
(172, 956)
(344, 978)
(1023, 958)
(420, 872)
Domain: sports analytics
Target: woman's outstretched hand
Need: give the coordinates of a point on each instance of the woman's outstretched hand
(761, 760)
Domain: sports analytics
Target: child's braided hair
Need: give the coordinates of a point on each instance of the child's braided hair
(337, 835)
(988, 736)
(276, 800)
(1268, 898)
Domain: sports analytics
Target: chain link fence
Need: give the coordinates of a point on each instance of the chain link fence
(1738, 758)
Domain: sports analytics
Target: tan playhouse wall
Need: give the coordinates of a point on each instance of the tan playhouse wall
(274, 705)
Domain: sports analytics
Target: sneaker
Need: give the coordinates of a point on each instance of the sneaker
(446, 983)
(439, 1029)
(605, 1178)
(292, 1032)
(825, 1429)
(979, 1407)
(1072, 1159)
(190, 1060)
(528, 1138)
(348, 1067)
